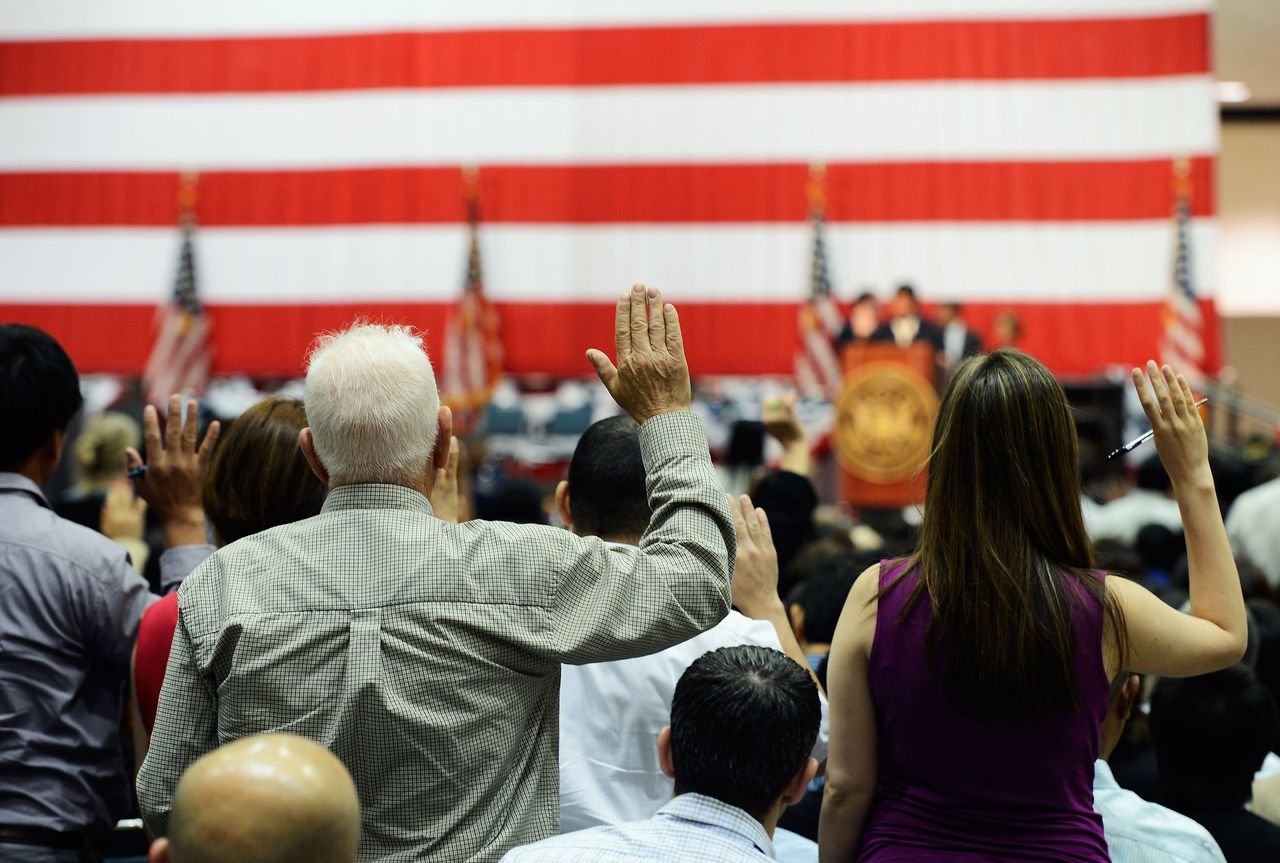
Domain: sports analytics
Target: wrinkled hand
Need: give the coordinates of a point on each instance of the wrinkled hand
(175, 469)
(755, 570)
(779, 417)
(123, 514)
(1181, 441)
(444, 494)
(652, 376)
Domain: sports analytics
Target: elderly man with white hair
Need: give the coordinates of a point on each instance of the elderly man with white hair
(426, 655)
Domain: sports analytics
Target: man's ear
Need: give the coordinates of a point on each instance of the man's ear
(799, 783)
(664, 753)
(795, 613)
(562, 503)
(159, 851)
(440, 456)
(308, 447)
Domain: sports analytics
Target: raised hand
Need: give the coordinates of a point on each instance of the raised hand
(173, 481)
(123, 514)
(652, 376)
(1180, 438)
(755, 570)
(779, 418)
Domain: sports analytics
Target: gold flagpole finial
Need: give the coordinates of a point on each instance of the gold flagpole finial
(1182, 178)
(816, 188)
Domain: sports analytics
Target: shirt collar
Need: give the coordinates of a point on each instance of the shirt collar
(1103, 779)
(375, 496)
(702, 809)
(18, 482)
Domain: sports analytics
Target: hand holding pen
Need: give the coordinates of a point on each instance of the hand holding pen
(1181, 441)
(172, 479)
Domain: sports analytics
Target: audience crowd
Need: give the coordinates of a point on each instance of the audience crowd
(288, 641)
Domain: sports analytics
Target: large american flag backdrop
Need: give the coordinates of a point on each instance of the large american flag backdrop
(1008, 154)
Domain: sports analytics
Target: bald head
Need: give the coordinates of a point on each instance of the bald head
(273, 798)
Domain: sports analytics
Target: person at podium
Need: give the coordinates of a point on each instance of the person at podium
(863, 321)
(906, 326)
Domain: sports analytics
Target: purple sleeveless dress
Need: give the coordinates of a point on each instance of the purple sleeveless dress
(956, 788)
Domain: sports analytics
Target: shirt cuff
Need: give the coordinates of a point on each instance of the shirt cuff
(178, 562)
(674, 434)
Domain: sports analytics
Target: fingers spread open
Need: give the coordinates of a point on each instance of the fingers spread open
(639, 321)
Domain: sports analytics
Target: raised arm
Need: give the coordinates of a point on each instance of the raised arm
(611, 603)
(1163, 640)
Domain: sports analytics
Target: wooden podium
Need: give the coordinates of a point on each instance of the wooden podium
(884, 423)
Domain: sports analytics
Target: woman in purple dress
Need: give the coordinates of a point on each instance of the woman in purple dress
(968, 682)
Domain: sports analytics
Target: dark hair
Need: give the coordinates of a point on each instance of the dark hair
(824, 590)
(1265, 620)
(743, 721)
(864, 297)
(905, 289)
(1152, 476)
(39, 391)
(1211, 733)
(1003, 557)
(258, 477)
(606, 481)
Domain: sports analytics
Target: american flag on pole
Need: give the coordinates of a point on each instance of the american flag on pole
(817, 367)
(181, 357)
(1182, 339)
(472, 339)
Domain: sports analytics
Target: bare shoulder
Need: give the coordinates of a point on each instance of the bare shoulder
(857, 625)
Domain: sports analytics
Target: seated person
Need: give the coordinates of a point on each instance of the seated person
(1138, 831)
(814, 604)
(270, 798)
(729, 789)
(1150, 502)
(611, 712)
(1211, 734)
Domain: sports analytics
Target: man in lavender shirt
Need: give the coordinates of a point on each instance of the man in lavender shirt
(69, 609)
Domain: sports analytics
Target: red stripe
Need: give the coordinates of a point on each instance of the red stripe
(887, 192)
(723, 338)
(897, 51)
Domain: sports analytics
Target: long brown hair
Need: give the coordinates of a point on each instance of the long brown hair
(258, 477)
(1003, 552)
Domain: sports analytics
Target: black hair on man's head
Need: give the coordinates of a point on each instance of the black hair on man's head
(39, 391)
(743, 721)
(606, 481)
(1211, 733)
(907, 290)
(1152, 476)
(824, 590)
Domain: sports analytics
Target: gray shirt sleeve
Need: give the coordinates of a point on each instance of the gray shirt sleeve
(178, 562)
(616, 602)
(112, 606)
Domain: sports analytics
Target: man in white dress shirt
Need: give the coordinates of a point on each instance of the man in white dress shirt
(729, 790)
(1138, 831)
(611, 712)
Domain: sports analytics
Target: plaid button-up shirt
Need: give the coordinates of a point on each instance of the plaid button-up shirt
(426, 655)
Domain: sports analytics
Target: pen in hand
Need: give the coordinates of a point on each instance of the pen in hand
(1133, 443)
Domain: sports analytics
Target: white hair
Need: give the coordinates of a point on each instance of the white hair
(373, 405)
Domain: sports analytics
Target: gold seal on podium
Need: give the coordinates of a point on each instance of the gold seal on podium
(884, 422)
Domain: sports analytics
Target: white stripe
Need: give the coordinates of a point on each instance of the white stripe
(1128, 118)
(66, 19)
(1062, 262)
